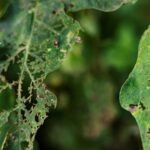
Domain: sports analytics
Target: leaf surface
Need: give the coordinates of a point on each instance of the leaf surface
(135, 93)
(36, 36)
(103, 5)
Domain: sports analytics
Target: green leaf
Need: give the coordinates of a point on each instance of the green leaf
(135, 93)
(36, 36)
(103, 5)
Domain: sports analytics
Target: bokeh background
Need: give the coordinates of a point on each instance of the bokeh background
(88, 115)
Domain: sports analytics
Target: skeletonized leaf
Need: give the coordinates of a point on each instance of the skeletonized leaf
(36, 36)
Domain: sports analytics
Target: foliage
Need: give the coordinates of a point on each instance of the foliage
(35, 37)
(135, 92)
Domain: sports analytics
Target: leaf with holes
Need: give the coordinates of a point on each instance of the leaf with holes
(35, 36)
(135, 93)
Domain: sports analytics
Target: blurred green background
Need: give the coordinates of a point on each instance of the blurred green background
(88, 114)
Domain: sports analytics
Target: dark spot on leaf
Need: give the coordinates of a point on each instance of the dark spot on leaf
(54, 12)
(132, 107)
(142, 106)
(71, 5)
(23, 114)
(148, 131)
(5, 51)
(37, 118)
(22, 45)
(148, 82)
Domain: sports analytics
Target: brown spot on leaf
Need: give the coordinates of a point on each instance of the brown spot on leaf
(132, 107)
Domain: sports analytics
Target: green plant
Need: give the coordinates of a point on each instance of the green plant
(135, 91)
(34, 39)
